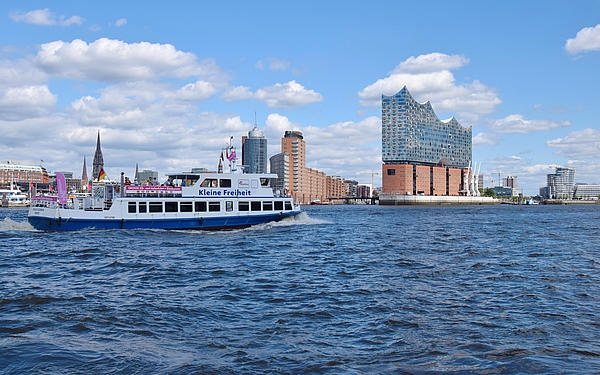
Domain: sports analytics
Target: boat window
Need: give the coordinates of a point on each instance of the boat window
(156, 207)
(229, 206)
(143, 207)
(200, 206)
(131, 207)
(255, 206)
(267, 206)
(243, 183)
(264, 182)
(243, 206)
(278, 205)
(214, 206)
(210, 182)
(225, 183)
(185, 206)
(254, 183)
(170, 206)
(288, 205)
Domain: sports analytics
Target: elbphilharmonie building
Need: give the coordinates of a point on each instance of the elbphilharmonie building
(421, 154)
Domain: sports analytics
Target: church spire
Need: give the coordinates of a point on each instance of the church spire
(98, 160)
(84, 176)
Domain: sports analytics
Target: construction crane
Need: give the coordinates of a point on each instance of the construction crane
(373, 174)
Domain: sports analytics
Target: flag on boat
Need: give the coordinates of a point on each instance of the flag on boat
(61, 188)
(231, 156)
(101, 175)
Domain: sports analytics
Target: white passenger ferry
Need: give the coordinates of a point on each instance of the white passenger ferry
(13, 197)
(191, 201)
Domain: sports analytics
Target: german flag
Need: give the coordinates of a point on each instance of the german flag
(101, 175)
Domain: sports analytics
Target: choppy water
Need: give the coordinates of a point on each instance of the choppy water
(343, 290)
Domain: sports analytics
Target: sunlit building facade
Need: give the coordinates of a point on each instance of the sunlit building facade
(422, 154)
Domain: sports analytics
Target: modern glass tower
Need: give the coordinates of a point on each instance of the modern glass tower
(411, 132)
(255, 152)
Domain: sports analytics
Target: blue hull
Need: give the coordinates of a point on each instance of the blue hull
(206, 223)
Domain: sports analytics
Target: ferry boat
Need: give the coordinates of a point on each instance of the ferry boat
(189, 201)
(13, 197)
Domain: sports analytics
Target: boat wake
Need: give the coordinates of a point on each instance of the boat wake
(300, 219)
(9, 225)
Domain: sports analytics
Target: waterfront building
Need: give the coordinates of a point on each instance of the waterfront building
(586, 191)
(98, 160)
(21, 172)
(511, 183)
(421, 154)
(146, 175)
(254, 151)
(280, 165)
(363, 191)
(502, 191)
(561, 183)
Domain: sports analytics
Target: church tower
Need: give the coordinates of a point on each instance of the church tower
(84, 176)
(98, 160)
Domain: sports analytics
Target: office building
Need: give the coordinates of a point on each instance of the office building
(561, 183)
(422, 154)
(24, 173)
(587, 191)
(510, 182)
(280, 165)
(254, 151)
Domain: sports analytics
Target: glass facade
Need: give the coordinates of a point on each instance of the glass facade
(412, 132)
(561, 183)
(255, 152)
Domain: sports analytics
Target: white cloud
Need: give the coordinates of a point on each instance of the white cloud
(427, 77)
(18, 103)
(587, 39)
(517, 124)
(20, 72)
(432, 62)
(581, 144)
(121, 22)
(280, 95)
(342, 148)
(274, 64)
(114, 60)
(45, 17)
(200, 90)
(485, 139)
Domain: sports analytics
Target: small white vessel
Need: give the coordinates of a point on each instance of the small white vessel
(13, 197)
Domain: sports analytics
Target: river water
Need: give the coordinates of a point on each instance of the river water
(338, 290)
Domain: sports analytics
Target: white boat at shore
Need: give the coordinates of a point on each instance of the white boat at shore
(13, 197)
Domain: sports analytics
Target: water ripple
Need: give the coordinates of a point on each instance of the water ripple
(339, 290)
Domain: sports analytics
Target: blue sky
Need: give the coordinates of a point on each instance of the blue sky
(167, 83)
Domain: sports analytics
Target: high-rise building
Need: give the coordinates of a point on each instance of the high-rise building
(293, 144)
(422, 154)
(254, 151)
(280, 165)
(511, 183)
(98, 160)
(561, 183)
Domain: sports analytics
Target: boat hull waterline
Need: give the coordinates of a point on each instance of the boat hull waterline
(203, 223)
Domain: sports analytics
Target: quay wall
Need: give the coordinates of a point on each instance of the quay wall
(402, 199)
